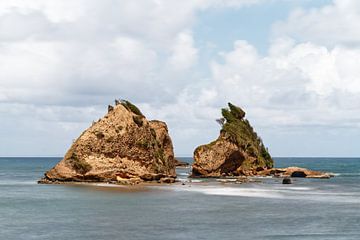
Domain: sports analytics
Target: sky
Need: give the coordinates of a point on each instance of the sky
(293, 66)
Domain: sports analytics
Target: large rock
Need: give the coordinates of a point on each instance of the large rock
(123, 147)
(237, 151)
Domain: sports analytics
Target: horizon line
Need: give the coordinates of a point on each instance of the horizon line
(192, 157)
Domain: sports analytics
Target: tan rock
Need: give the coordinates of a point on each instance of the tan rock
(181, 164)
(167, 180)
(237, 151)
(294, 172)
(164, 141)
(123, 145)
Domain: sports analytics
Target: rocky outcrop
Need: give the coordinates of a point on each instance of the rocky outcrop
(122, 147)
(295, 172)
(181, 164)
(238, 151)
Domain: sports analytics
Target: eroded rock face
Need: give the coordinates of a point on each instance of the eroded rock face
(237, 151)
(164, 140)
(121, 147)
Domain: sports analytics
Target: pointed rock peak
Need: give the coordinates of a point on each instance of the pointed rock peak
(122, 147)
(131, 107)
(235, 112)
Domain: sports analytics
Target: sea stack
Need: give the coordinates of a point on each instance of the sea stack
(238, 151)
(122, 147)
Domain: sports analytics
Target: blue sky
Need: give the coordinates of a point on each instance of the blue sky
(251, 23)
(289, 64)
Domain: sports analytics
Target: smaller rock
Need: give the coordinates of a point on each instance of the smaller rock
(152, 177)
(287, 180)
(179, 163)
(128, 181)
(167, 180)
(294, 172)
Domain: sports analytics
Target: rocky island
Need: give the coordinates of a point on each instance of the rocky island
(122, 147)
(239, 151)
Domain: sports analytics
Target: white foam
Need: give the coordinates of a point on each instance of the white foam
(295, 188)
(291, 193)
(346, 174)
(105, 185)
(232, 191)
(2, 183)
(196, 180)
(183, 174)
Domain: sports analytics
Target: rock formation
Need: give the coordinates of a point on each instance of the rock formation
(182, 164)
(237, 151)
(295, 172)
(287, 180)
(121, 147)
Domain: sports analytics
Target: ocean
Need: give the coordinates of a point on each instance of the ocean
(307, 209)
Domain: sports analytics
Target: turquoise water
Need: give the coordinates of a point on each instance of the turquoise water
(307, 209)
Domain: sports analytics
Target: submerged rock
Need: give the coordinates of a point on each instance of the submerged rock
(286, 180)
(237, 151)
(122, 147)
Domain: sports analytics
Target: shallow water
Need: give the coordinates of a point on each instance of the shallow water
(307, 209)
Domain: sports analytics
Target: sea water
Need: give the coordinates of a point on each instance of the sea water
(202, 209)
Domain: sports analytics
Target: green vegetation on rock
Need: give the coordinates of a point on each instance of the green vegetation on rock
(238, 130)
(81, 167)
(128, 105)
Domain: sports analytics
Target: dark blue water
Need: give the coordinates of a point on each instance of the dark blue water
(307, 209)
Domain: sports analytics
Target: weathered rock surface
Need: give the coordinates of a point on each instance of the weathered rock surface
(295, 172)
(122, 147)
(238, 151)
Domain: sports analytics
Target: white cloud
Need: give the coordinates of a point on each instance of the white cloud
(82, 52)
(296, 85)
(86, 51)
(322, 45)
(295, 88)
(56, 11)
(331, 25)
(58, 57)
(184, 54)
(229, 3)
(61, 60)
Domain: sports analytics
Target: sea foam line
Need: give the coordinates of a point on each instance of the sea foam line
(296, 193)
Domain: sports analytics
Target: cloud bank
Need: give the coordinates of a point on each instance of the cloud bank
(62, 62)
